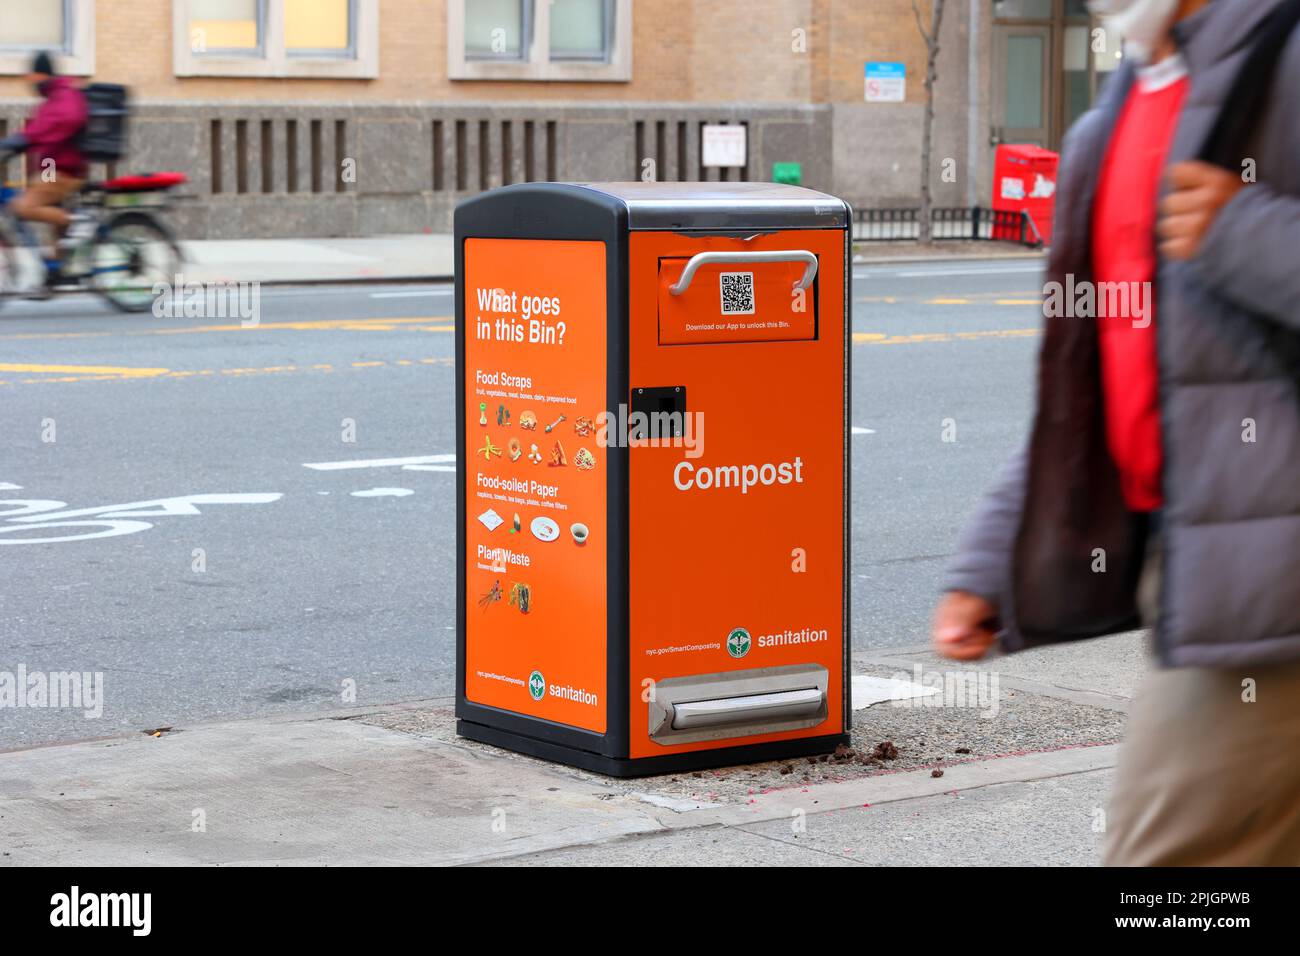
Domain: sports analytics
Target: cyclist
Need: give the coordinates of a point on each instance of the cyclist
(56, 168)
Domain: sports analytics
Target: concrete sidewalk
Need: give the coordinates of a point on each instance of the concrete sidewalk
(430, 258)
(284, 261)
(395, 786)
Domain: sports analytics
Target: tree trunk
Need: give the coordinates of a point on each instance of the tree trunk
(931, 38)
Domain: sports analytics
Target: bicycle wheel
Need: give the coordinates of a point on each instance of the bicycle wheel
(132, 255)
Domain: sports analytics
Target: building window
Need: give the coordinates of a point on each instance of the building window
(320, 28)
(65, 28)
(581, 30)
(495, 29)
(555, 40)
(38, 25)
(1022, 9)
(327, 39)
(227, 27)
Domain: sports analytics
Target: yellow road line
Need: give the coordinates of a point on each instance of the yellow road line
(84, 370)
(90, 373)
(880, 338)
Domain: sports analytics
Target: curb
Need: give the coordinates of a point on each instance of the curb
(345, 280)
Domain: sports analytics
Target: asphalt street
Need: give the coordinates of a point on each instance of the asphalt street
(322, 559)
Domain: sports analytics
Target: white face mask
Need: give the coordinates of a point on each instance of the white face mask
(1142, 23)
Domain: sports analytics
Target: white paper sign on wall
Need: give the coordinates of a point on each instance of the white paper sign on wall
(724, 145)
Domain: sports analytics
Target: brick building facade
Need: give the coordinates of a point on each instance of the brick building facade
(412, 104)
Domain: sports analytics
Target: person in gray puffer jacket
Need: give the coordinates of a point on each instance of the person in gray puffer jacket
(1161, 480)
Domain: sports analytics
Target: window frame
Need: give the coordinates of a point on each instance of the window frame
(74, 57)
(360, 61)
(537, 65)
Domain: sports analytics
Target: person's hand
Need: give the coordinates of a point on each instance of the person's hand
(965, 626)
(1199, 191)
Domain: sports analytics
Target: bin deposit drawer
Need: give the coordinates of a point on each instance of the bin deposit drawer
(738, 703)
(738, 297)
(691, 715)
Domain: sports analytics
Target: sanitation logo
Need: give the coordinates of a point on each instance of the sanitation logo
(536, 685)
(738, 642)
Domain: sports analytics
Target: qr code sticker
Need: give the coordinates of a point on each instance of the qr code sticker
(737, 293)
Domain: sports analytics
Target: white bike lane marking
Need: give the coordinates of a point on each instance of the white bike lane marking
(413, 463)
(30, 520)
(41, 515)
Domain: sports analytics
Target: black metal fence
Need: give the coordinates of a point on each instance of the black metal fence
(967, 222)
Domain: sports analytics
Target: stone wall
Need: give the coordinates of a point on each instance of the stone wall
(316, 171)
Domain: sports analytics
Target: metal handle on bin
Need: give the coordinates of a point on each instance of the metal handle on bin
(775, 706)
(704, 258)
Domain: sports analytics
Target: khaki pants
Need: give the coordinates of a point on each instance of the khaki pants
(1206, 778)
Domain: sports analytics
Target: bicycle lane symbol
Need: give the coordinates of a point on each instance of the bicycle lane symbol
(109, 521)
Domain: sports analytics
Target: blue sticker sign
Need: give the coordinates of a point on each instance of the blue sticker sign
(885, 82)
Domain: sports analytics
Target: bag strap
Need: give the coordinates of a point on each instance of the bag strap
(1245, 103)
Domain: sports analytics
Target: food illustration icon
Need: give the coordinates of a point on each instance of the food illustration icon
(491, 596)
(515, 449)
(521, 596)
(503, 416)
(555, 424)
(580, 532)
(558, 458)
(527, 421)
(482, 413)
(534, 455)
(544, 529)
(489, 449)
(584, 426)
(584, 460)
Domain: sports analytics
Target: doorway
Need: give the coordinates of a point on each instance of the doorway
(1051, 59)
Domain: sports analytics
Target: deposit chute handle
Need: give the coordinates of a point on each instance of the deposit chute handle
(732, 258)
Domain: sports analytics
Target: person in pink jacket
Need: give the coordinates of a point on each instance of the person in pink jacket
(56, 168)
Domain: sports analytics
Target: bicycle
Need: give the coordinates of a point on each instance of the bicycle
(123, 259)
